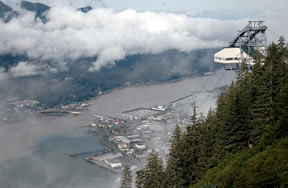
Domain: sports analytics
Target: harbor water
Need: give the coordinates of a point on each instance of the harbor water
(34, 152)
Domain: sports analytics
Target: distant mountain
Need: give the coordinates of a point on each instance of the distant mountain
(85, 9)
(4, 9)
(7, 13)
(79, 84)
(38, 8)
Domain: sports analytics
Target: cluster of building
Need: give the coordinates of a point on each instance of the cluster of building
(75, 106)
(17, 110)
(102, 123)
(112, 161)
(132, 145)
(114, 125)
(140, 130)
(26, 103)
(159, 108)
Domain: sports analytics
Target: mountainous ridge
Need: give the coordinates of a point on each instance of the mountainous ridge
(85, 9)
(6, 12)
(82, 84)
(40, 9)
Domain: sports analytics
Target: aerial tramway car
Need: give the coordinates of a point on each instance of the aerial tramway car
(250, 39)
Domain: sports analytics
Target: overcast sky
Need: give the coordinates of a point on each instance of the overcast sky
(179, 5)
(196, 5)
(129, 27)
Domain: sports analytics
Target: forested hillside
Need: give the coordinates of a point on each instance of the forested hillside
(242, 143)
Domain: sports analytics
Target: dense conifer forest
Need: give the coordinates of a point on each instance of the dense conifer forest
(242, 143)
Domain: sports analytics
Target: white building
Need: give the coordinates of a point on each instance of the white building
(230, 56)
(140, 146)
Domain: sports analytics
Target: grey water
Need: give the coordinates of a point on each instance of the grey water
(49, 166)
(33, 152)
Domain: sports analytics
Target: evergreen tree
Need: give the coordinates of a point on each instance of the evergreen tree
(232, 132)
(268, 84)
(258, 105)
(140, 178)
(152, 175)
(225, 122)
(189, 156)
(257, 102)
(189, 152)
(280, 128)
(173, 169)
(207, 140)
(126, 180)
(194, 119)
(253, 110)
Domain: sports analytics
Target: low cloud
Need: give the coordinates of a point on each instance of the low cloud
(3, 74)
(110, 35)
(29, 69)
(24, 69)
(73, 3)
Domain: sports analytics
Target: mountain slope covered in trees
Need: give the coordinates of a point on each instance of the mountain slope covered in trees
(242, 143)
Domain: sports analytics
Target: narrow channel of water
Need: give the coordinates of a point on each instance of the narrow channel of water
(33, 152)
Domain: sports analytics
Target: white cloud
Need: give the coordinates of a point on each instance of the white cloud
(3, 74)
(29, 69)
(24, 69)
(111, 35)
(73, 3)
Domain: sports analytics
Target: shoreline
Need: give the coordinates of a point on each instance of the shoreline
(148, 84)
(25, 136)
(89, 101)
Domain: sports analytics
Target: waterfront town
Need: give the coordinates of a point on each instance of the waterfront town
(128, 137)
(131, 136)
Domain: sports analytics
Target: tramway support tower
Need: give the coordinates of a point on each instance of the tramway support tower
(250, 39)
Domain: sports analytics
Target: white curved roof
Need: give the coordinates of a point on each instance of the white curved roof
(229, 55)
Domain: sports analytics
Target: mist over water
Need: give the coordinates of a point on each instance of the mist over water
(133, 97)
(34, 151)
(49, 165)
(72, 55)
